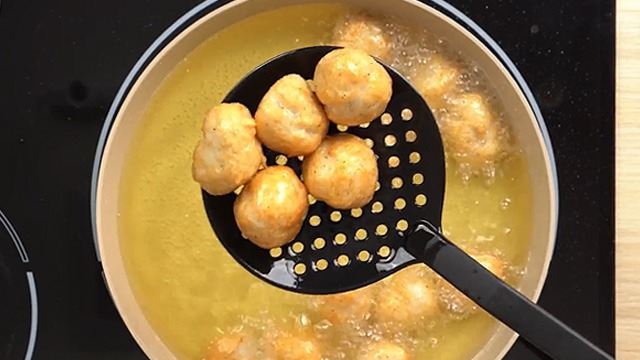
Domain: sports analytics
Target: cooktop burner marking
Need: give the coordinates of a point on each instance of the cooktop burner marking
(33, 294)
(15, 237)
(34, 315)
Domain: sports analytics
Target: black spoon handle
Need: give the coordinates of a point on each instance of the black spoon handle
(532, 322)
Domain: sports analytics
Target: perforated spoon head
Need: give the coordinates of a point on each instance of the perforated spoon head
(338, 250)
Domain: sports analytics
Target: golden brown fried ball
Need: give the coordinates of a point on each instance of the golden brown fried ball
(290, 119)
(492, 263)
(384, 351)
(229, 153)
(473, 132)
(363, 32)
(271, 208)
(435, 79)
(234, 346)
(299, 346)
(342, 172)
(458, 304)
(280, 345)
(351, 308)
(353, 87)
(406, 299)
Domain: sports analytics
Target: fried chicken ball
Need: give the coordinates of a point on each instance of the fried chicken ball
(353, 87)
(435, 79)
(473, 132)
(290, 119)
(406, 298)
(271, 208)
(298, 346)
(234, 346)
(384, 351)
(342, 172)
(457, 303)
(278, 345)
(229, 153)
(363, 32)
(351, 308)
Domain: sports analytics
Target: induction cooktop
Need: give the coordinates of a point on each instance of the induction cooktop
(62, 62)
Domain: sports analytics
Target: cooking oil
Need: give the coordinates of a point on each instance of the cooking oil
(192, 292)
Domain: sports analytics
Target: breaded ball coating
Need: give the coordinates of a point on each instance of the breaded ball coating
(250, 345)
(298, 346)
(233, 346)
(229, 153)
(406, 299)
(435, 79)
(342, 172)
(290, 119)
(272, 207)
(457, 303)
(473, 132)
(351, 308)
(492, 263)
(384, 351)
(354, 88)
(363, 32)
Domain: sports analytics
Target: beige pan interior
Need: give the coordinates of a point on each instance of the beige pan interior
(126, 123)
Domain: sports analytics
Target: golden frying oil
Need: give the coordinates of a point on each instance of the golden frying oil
(189, 288)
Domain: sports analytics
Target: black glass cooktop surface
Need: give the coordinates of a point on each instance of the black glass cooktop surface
(62, 62)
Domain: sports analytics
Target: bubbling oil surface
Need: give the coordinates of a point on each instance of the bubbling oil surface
(191, 290)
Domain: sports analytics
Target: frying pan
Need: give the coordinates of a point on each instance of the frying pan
(210, 17)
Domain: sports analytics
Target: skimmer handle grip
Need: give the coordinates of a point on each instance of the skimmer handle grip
(533, 323)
